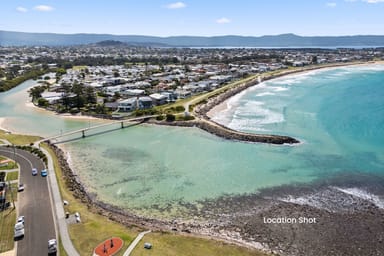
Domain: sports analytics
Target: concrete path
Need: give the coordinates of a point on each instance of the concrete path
(59, 208)
(135, 242)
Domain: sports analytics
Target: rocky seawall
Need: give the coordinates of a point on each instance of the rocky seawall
(230, 134)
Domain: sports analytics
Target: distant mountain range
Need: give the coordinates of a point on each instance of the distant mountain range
(8, 38)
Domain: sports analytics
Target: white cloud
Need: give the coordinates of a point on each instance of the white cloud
(21, 9)
(177, 5)
(43, 8)
(373, 1)
(223, 20)
(331, 5)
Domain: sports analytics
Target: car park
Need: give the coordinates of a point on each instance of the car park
(34, 171)
(44, 173)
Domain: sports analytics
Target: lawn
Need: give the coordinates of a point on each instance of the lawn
(12, 176)
(173, 245)
(9, 166)
(18, 139)
(7, 223)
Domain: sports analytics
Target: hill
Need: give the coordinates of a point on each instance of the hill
(9, 38)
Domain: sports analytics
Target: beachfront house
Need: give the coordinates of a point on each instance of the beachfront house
(134, 103)
(158, 99)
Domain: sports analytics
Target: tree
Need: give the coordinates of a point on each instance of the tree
(35, 92)
(90, 95)
(42, 102)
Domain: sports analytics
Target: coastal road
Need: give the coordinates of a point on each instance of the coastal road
(34, 203)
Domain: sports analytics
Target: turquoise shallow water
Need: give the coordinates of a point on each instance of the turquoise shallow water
(337, 113)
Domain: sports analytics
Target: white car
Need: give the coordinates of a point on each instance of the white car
(21, 187)
(20, 219)
(19, 230)
(52, 246)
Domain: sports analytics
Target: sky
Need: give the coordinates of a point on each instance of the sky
(195, 17)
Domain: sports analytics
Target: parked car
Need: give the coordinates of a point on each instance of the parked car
(19, 230)
(52, 246)
(20, 219)
(44, 173)
(34, 171)
(21, 187)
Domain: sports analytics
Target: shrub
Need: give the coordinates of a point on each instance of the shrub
(170, 118)
(160, 118)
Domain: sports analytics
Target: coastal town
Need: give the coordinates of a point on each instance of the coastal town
(111, 79)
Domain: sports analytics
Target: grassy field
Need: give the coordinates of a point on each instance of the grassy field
(12, 176)
(7, 223)
(18, 139)
(9, 166)
(174, 245)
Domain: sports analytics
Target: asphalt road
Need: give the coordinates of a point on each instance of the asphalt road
(34, 203)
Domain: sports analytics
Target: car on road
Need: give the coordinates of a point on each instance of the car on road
(44, 173)
(52, 246)
(20, 219)
(34, 171)
(20, 187)
(19, 230)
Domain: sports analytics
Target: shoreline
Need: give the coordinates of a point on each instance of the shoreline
(217, 103)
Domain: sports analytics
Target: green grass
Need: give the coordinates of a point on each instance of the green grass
(7, 223)
(78, 68)
(18, 139)
(174, 245)
(9, 166)
(12, 176)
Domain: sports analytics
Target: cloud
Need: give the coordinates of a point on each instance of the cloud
(177, 5)
(331, 5)
(223, 20)
(21, 9)
(43, 8)
(373, 1)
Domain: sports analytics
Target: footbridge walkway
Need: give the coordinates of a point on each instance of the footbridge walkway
(83, 131)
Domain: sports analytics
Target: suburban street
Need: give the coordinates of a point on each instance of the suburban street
(34, 203)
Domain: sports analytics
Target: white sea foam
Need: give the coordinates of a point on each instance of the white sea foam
(253, 116)
(264, 94)
(357, 192)
(279, 88)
